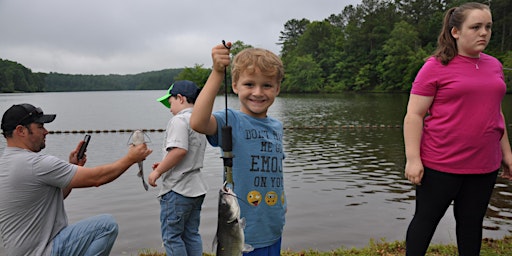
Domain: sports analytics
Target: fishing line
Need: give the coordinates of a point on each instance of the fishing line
(227, 140)
(239, 198)
(226, 84)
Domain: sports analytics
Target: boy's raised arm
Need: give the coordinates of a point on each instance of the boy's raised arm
(202, 120)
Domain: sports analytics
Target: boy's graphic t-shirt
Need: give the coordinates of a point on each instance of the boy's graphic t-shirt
(257, 173)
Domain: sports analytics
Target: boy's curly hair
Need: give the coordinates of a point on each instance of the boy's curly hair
(250, 59)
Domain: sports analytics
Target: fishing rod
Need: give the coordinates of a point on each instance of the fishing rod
(227, 139)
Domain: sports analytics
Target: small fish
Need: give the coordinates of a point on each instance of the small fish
(138, 137)
(229, 238)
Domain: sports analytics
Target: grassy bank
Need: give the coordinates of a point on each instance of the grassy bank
(490, 247)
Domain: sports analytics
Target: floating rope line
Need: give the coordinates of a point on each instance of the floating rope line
(318, 127)
(381, 126)
(104, 131)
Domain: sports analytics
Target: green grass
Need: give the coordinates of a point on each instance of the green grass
(490, 247)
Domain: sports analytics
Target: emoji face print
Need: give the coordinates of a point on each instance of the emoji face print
(271, 198)
(254, 198)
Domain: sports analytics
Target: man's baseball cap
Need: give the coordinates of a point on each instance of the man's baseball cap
(184, 87)
(23, 114)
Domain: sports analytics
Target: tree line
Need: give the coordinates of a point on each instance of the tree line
(153, 80)
(14, 77)
(375, 46)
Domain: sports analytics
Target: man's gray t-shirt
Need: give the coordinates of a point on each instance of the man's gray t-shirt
(31, 200)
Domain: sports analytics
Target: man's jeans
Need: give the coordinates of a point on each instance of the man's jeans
(92, 236)
(179, 219)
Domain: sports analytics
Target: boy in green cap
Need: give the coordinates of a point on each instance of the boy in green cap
(183, 187)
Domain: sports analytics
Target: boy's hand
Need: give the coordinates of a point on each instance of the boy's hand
(220, 57)
(153, 176)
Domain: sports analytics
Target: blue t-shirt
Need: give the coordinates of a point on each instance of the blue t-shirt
(257, 174)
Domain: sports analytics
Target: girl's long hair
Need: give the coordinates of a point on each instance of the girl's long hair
(454, 17)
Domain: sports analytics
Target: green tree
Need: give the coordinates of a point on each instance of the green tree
(362, 79)
(319, 41)
(15, 77)
(303, 75)
(367, 30)
(289, 38)
(238, 46)
(196, 74)
(403, 43)
(507, 68)
(501, 40)
(425, 16)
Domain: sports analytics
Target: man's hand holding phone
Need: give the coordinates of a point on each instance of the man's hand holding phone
(77, 156)
(83, 148)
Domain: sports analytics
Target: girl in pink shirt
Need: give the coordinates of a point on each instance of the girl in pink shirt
(454, 131)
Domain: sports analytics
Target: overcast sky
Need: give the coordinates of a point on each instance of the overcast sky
(134, 36)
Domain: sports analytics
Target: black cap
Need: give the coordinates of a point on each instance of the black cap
(23, 114)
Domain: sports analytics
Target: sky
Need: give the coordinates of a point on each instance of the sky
(135, 36)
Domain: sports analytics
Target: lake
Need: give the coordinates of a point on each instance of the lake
(343, 171)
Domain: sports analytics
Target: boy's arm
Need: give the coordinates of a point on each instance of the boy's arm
(173, 157)
(202, 119)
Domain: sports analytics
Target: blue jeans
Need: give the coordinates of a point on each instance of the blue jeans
(273, 250)
(179, 219)
(92, 236)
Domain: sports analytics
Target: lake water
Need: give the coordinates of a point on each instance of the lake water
(343, 169)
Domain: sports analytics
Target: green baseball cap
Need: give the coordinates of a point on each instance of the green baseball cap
(184, 87)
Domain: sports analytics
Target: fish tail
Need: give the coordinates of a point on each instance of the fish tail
(141, 169)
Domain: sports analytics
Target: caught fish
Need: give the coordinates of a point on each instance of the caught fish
(230, 227)
(137, 138)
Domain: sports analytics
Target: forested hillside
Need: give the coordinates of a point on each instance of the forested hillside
(14, 77)
(378, 45)
(154, 80)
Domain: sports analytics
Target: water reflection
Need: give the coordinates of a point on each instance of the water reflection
(356, 164)
(343, 169)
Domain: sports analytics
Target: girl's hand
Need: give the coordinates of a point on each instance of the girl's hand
(414, 172)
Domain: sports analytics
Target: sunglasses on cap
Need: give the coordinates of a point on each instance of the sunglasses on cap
(31, 112)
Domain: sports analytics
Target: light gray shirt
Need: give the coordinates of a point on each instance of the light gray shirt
(31, 200)
(185, 178)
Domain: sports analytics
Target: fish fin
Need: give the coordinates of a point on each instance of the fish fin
(129, 142)
(241, 222)
(147, 139)
(247, 248)
(214, 243)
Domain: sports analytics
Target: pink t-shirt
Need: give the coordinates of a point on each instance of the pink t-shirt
(464, 126)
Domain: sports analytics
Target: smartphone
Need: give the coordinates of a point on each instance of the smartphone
(83, 148)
